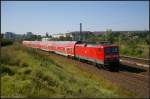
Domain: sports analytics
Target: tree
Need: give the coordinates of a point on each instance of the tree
(109, 35)
(39, 37)
(50, 36)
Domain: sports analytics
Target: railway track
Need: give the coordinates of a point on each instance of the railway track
(136, 61)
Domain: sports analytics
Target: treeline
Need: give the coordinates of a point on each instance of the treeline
(29, 36)
(131, 37)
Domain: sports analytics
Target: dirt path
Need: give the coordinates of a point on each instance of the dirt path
(133, 78)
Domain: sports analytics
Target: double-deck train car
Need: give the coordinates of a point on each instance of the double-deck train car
(104, 54)
(65, 47)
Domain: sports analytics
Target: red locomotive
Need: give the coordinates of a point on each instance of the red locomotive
(103, 54)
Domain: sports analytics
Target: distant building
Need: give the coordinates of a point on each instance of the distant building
(45, 39)
(58, 35)
(9, 35)
(69, 35)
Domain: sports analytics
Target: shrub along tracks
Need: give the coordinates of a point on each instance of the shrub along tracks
(128, 76)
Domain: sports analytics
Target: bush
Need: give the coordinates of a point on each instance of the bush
(7, 70)
(27, 71)
(5, 42)
(7, 57)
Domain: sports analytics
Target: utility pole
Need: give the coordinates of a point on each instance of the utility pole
(80, 35)
(119, 41)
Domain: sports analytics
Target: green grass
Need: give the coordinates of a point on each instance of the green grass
(28, 73)
(141, 51)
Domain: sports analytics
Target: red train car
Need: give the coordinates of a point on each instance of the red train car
(44, 46)
(65, 48)
(33, 44)
(51, 46)
(25, 43)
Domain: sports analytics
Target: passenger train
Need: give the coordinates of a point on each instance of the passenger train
(102, 54)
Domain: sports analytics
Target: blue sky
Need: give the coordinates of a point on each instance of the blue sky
(65, 16)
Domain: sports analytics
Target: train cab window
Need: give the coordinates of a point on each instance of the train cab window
(114, 49)
(107, 50)
(111, 50)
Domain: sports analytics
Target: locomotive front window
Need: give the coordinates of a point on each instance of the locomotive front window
(111, 50)
(107, 50)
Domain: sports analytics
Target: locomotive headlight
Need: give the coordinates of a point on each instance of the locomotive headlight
(101, 47)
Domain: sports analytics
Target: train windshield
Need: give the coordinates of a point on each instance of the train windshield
(111, 50)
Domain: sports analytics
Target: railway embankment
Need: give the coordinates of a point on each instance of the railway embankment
(129, 76)
(30, 72)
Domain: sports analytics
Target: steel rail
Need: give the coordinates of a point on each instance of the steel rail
(133, 60)
(123, 56)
